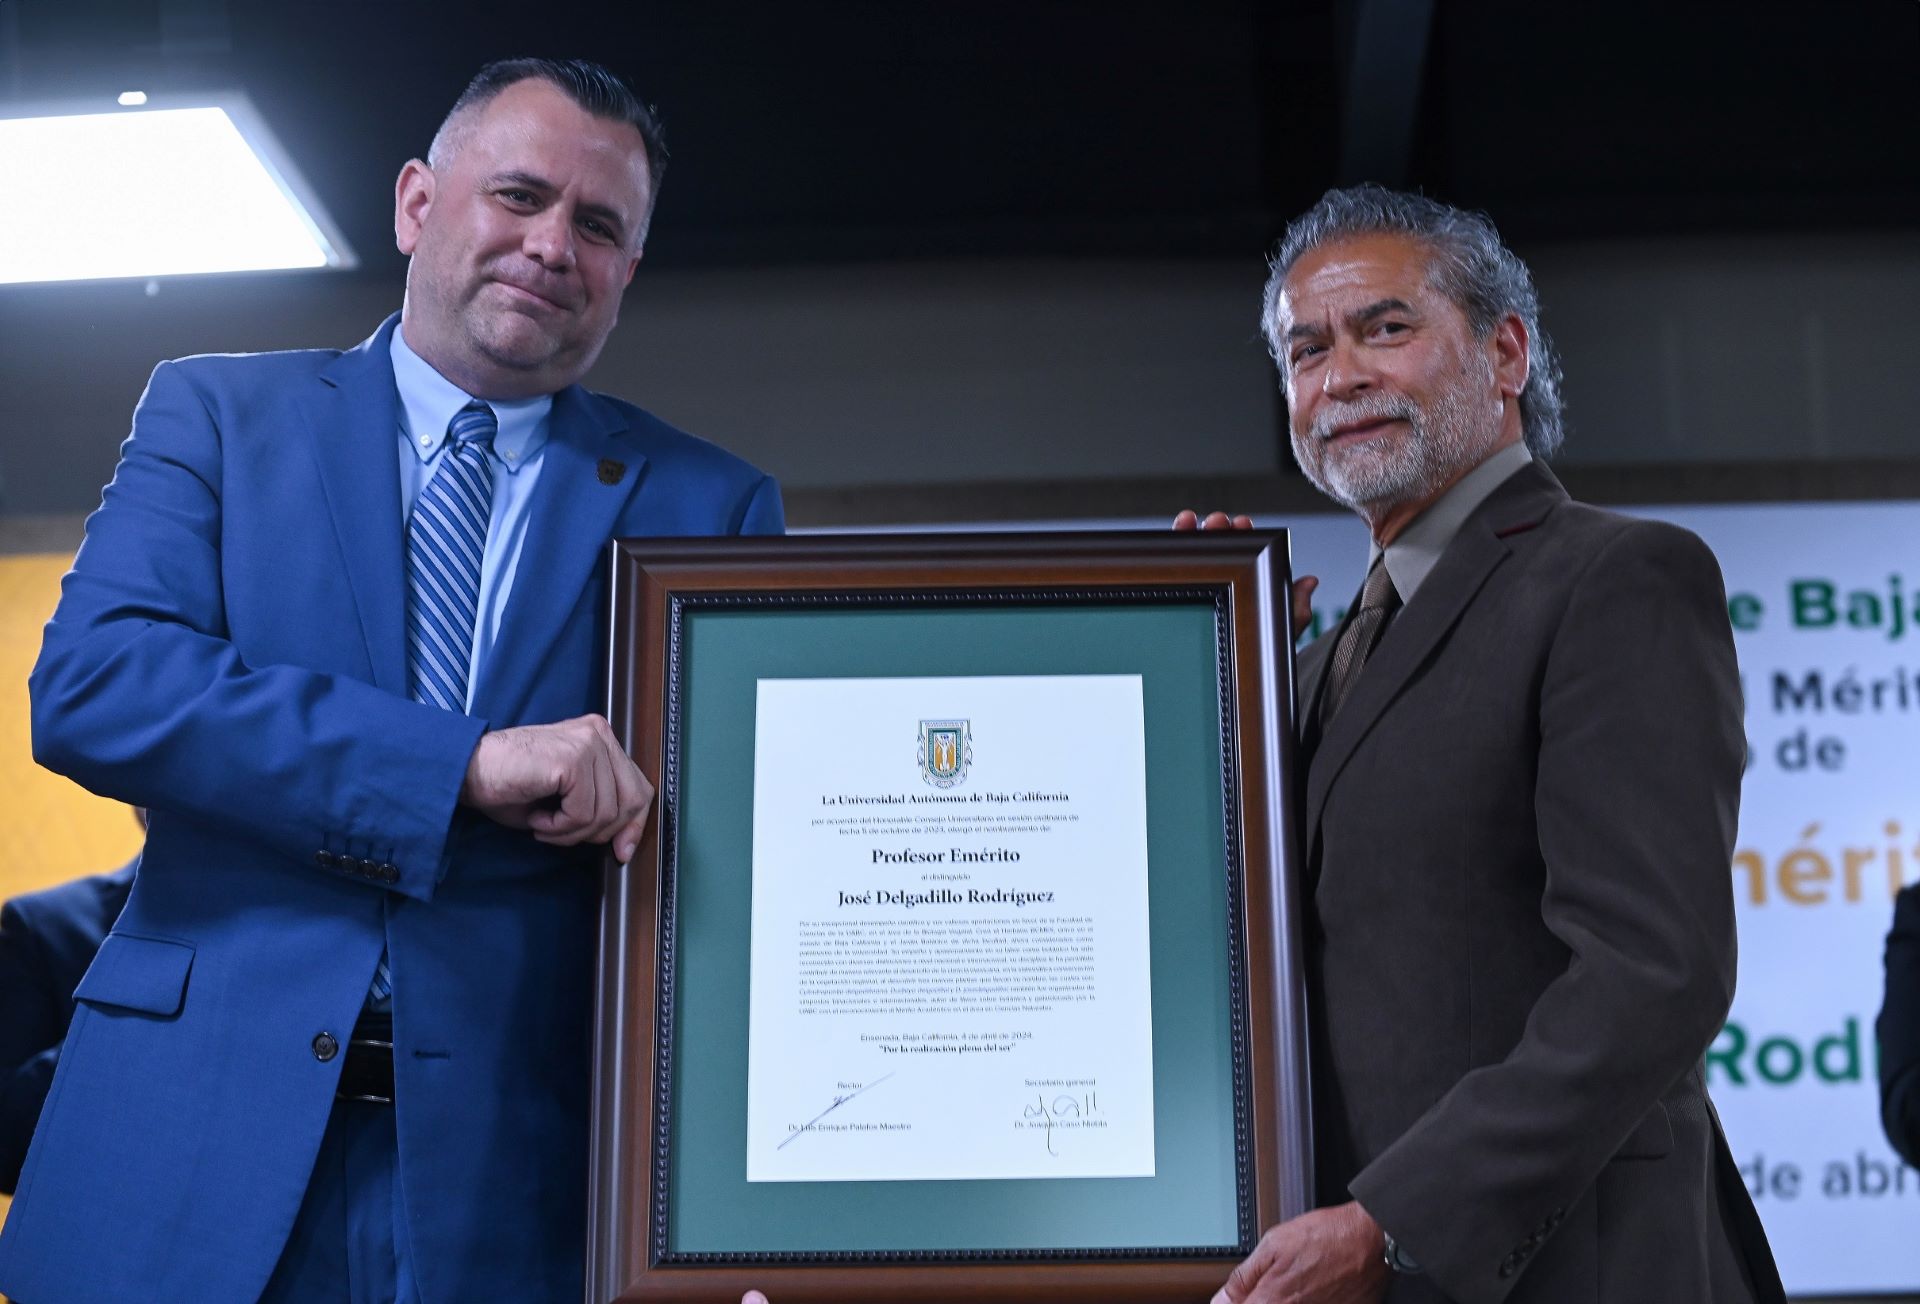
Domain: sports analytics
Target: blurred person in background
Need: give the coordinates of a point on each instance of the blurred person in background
(1899, 1029)
(47, 940)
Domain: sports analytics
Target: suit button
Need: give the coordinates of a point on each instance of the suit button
(325, 1047)
(367, 869)
(389, 873)
(324, 859)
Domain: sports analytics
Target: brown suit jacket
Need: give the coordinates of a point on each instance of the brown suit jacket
(1520, 929)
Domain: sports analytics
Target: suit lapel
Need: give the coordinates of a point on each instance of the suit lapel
(353, 422)
(1311, 676)
(572, 516)
(1475, 553)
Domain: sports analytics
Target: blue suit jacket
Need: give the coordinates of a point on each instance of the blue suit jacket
(229, 652)
(47, 940)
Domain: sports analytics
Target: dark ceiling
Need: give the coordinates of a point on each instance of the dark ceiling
(885, 129)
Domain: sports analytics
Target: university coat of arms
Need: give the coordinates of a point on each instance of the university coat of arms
(946, 749)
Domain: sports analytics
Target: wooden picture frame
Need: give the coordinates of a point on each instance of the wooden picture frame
(694, 620)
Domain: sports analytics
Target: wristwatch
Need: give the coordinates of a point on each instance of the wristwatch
(1397, 1257)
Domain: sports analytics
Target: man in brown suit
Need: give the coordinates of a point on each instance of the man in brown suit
(1524, 755)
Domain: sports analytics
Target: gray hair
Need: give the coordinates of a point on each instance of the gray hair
(1470, 265)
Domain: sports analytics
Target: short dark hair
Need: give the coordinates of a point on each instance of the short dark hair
(593, 87)
(1471, 266)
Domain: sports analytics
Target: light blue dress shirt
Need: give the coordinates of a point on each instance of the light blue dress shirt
(428, 401)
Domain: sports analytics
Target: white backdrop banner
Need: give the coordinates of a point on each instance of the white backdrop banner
(1824, 615)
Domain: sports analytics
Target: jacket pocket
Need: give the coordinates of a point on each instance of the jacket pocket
(148, 974)
(1651, 1138)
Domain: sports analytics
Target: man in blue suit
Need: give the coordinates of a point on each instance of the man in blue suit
(363, 814)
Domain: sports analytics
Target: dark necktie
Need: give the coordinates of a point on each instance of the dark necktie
(1378, 601)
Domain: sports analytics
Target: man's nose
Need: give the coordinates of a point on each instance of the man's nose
(1347, 372)
(549, 239)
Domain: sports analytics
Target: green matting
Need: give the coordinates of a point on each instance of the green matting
(1191, 1201)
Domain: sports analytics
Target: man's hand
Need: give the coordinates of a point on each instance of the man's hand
(568, 782)
(1302, 588)
(1329, 1256)
(1192, 520)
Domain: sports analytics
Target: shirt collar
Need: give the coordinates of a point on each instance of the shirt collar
(1416, 550)
(428, 401)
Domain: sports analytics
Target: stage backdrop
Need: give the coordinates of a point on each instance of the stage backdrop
(1824, 600)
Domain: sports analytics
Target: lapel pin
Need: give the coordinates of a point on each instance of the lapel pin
(612, 472)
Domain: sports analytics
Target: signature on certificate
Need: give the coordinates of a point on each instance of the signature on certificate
(1044, 1113)
(837, 1102)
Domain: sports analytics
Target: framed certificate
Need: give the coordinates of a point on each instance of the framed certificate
(960, 959)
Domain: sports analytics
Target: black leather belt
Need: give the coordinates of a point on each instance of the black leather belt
(367, 1072)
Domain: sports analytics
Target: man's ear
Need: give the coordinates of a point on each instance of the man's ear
(633, 265)
(1512, 351)
(412, 197)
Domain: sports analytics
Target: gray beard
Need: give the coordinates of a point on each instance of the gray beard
(1441, 440)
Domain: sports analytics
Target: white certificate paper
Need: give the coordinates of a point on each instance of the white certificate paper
(950, 950)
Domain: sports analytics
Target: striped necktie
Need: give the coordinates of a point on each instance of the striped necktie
(446, 538)
(445, 541)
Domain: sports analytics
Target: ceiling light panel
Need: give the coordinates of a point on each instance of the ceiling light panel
(166, 190)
